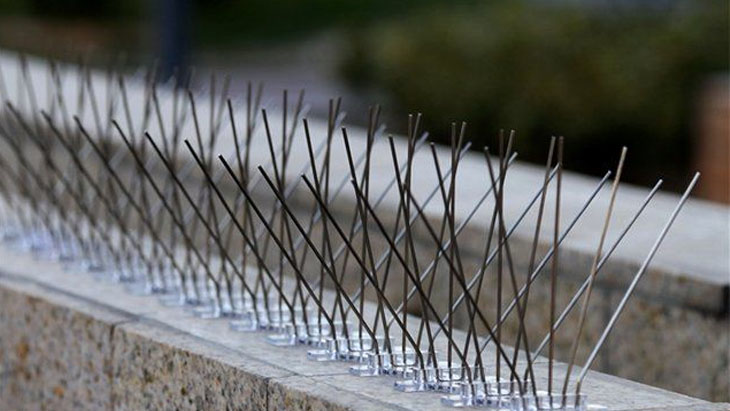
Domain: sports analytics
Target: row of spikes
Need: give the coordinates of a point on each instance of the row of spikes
(169, 224)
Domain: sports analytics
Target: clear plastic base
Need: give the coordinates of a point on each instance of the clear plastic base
(356, 348)
(9, 234)
(282, 340)
(186, 295)
(142, 287)
(94, 267)
(547, 401)
(487, 393)
(418, 382)
(278, 321)
(208, 311)
(397, 362)
(67, 256)
(314, 333)
(40, 244)
(214, 310)
(451, 379)
(321, 355)
(494, 403)
(176, 300)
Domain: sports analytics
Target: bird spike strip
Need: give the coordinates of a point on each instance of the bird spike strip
(302, 234)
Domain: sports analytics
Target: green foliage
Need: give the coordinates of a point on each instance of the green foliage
(601, 76)
(230, 22)
(105, 9)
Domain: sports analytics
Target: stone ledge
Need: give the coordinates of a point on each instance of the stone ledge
(69, 341)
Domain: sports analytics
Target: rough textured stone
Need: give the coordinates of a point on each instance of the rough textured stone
(151, 375)
(72, 345)
(53, 355)
(294, 393)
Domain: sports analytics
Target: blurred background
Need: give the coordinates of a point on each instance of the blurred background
(652, 75)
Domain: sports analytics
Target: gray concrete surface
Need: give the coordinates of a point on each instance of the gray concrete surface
(69, 341)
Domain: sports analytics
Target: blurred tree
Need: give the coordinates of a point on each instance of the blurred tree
(603, 76)
(230, 22)
(83, 8)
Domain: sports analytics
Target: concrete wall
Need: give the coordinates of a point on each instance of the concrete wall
(68, 341)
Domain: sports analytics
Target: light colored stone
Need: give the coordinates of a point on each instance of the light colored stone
(160, 360)
(55, 352)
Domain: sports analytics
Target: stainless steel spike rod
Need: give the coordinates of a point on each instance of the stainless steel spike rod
(637, 277)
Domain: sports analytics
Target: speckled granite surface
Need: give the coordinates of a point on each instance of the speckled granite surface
(68, 341)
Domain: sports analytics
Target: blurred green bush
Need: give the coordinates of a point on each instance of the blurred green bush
(602, 76)
(73, 9)
(231, 22)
